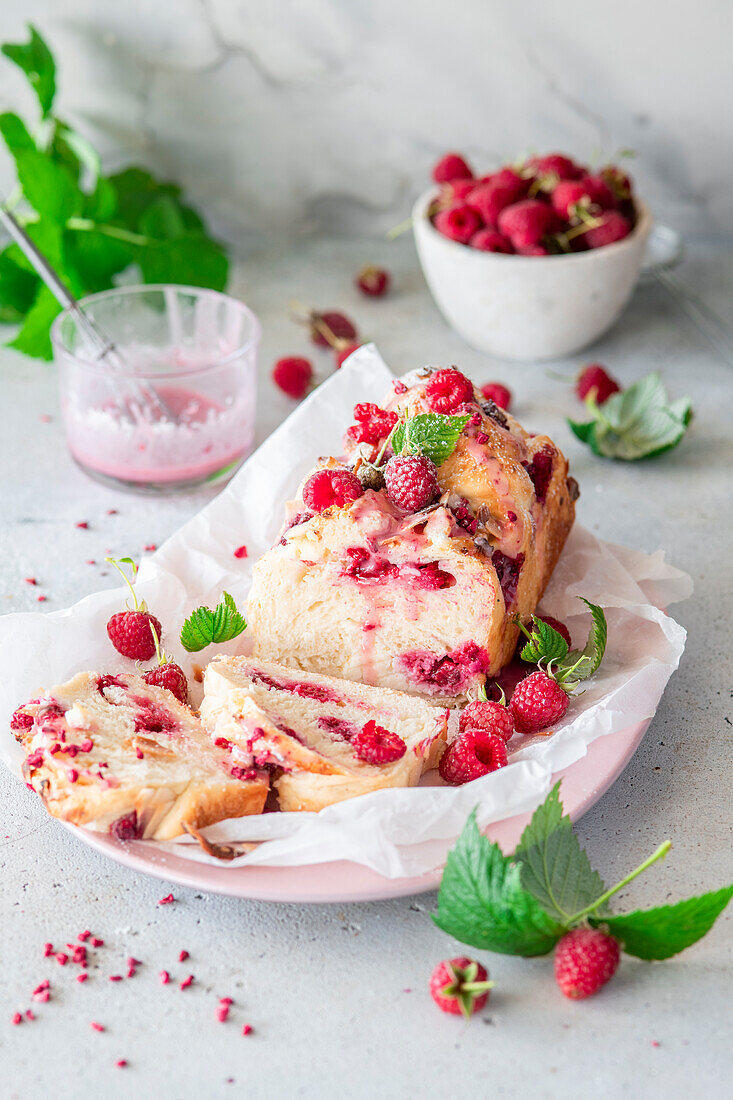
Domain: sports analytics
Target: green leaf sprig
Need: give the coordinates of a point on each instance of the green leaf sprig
(547, 648)
(638, 422)
(432, 434)
(91, 227)
(523, 904)
(204, 626)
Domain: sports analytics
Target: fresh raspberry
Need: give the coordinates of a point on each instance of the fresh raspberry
(538, 702)
(372, 423)
(488, 240)
(614, 227)
(458, 222)
(598, 191)
(499, 394)
(451, 167)
(131, 634)
(595, 379)
(525, 223)
(293, 375)
(490, 717)
(330, 327)
(170, 676)
(507, 177)
(460, 986)
(585, 959)
(456, 191)
(534, 250)
(447, 389)
(618, 182)
(331, 487)
(473, 754)
(411, 481)
(555, 164)
(568, 194)
(375, 745)
(373, 281)
(342, 354)
(489, 199)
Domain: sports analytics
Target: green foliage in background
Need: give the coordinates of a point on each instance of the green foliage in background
(91, 227)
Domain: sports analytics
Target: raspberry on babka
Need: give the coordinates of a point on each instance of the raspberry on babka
(363, 586)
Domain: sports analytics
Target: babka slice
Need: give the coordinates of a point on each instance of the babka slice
(325, 739)
(121, 756)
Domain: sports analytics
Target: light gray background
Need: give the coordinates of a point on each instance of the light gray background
(281, 118)
(288, 114)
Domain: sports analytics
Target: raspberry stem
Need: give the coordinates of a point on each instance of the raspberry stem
(660, 853)
(118, 563)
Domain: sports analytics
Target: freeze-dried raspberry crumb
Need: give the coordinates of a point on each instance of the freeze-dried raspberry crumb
(222, 1012)
(164, 977)
(17, 1018)
(82, 977)
(111, 511)
(42, 599)
(447, 389)
(29, 1014)
(151, 546)
(61, 958)
(84, 936)
(376, 745)
(121, 1063)
(183, 955)
(187, 982)
(97, 942)
(115, 978)
(31, 580)
(47, 950)
(241, 551)
(20, 720)
(328, 488)
(83, 525)
(166, 900)
(247, 1029)
(96, 1027)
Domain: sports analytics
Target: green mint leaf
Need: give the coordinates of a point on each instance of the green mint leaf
(48, 187)
(194, 260)
(544, 643)
(555, 869)
(15, 133)
(637, 423)
(75, 153)
(163, 219)
(18, 289)
(95, 258)
(47, 235)
(33, 338)
(430, 434)
(203, 626)
(36, 61)
(580, 664)
(482, 901)
(665, 931)
(135, 190)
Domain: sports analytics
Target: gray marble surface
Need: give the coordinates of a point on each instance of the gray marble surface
(337, 995)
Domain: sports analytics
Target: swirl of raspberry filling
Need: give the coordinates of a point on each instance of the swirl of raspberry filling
(364, 566)
(508, 570)
(448, 673)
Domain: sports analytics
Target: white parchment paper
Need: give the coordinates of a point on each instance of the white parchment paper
(395, 832)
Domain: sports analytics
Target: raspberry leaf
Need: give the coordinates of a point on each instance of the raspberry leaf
(544, 642)
(555, 869)
(636, 423)
(580, 664)
(203, 626)
(668, 929)
(430, 434)
(36, 61)
(482, 901)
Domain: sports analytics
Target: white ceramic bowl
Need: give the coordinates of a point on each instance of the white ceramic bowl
(528, 307)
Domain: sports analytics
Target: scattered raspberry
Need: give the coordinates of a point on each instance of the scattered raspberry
(373, 281)
(460, 986)
(450, 167)
(585, 959)
(375, 745)
(130, 634)
(458, 223)
(595, 379)
(342, 354)
(483, 714)
(241, 551)
(499, 394)
(411, 481)
(447, 389)
(488, 240)
(614, 227)
(538, 702)
(328, 488)
(328, 328)
(373, 424)
(472, 754)
(170, 676)
(293, 375)
(525, 223)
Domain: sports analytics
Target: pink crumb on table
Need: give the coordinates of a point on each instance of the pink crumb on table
(96, 1027)
(82, 977)
(111, 511)
(241, 551)
(247, 1029)
(30, 580)
(83, 936)
(45, 418)
(29, 1015)
(82, 525)
(166, 900)
(121, 1063)
(164, 977)
(183, 956)
(115, 978)
(222, 1012)
(187, 982)
(48, 950)
(42, 599)
(151, 546)
(61, 958)
(17, 1018)
(96, 942)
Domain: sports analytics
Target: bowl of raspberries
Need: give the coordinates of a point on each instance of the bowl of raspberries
(533, 261)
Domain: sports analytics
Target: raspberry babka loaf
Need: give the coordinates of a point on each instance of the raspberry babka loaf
(121, 756)
(411, 578)
(325, 739)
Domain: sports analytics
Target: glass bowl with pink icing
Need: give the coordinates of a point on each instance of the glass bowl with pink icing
(172, 405)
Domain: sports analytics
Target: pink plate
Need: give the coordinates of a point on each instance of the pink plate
(583, 784)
